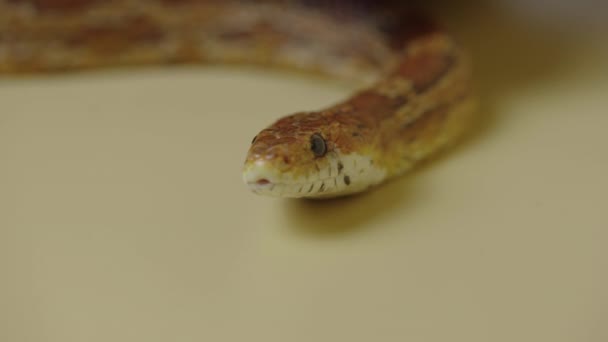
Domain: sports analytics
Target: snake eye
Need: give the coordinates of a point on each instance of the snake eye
(317, 145)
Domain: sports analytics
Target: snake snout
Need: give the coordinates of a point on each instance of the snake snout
(259, 175)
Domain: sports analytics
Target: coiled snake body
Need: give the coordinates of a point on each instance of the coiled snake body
(417, 100)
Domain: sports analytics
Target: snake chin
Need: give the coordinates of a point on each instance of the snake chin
(345, 175)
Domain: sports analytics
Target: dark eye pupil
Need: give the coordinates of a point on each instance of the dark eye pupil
(317, 145)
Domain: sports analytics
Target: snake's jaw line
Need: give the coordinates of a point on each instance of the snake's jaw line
(342, 175)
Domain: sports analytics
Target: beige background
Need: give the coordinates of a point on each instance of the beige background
(123, 216)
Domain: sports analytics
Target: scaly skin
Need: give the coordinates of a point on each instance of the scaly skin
(418, 97)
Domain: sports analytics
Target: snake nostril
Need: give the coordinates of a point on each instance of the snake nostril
(262, 181)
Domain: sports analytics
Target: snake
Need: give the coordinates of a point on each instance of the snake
(415, 95)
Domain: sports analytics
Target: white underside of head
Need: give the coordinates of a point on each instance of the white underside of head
(346, 174)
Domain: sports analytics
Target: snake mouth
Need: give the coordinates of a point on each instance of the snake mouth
(262, 182)
(295, 189)
(261, 185)
(345, 174)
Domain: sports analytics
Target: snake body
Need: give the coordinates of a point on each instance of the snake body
(416, 100)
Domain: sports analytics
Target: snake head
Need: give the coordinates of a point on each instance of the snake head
(305, 155)
(291, 158)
